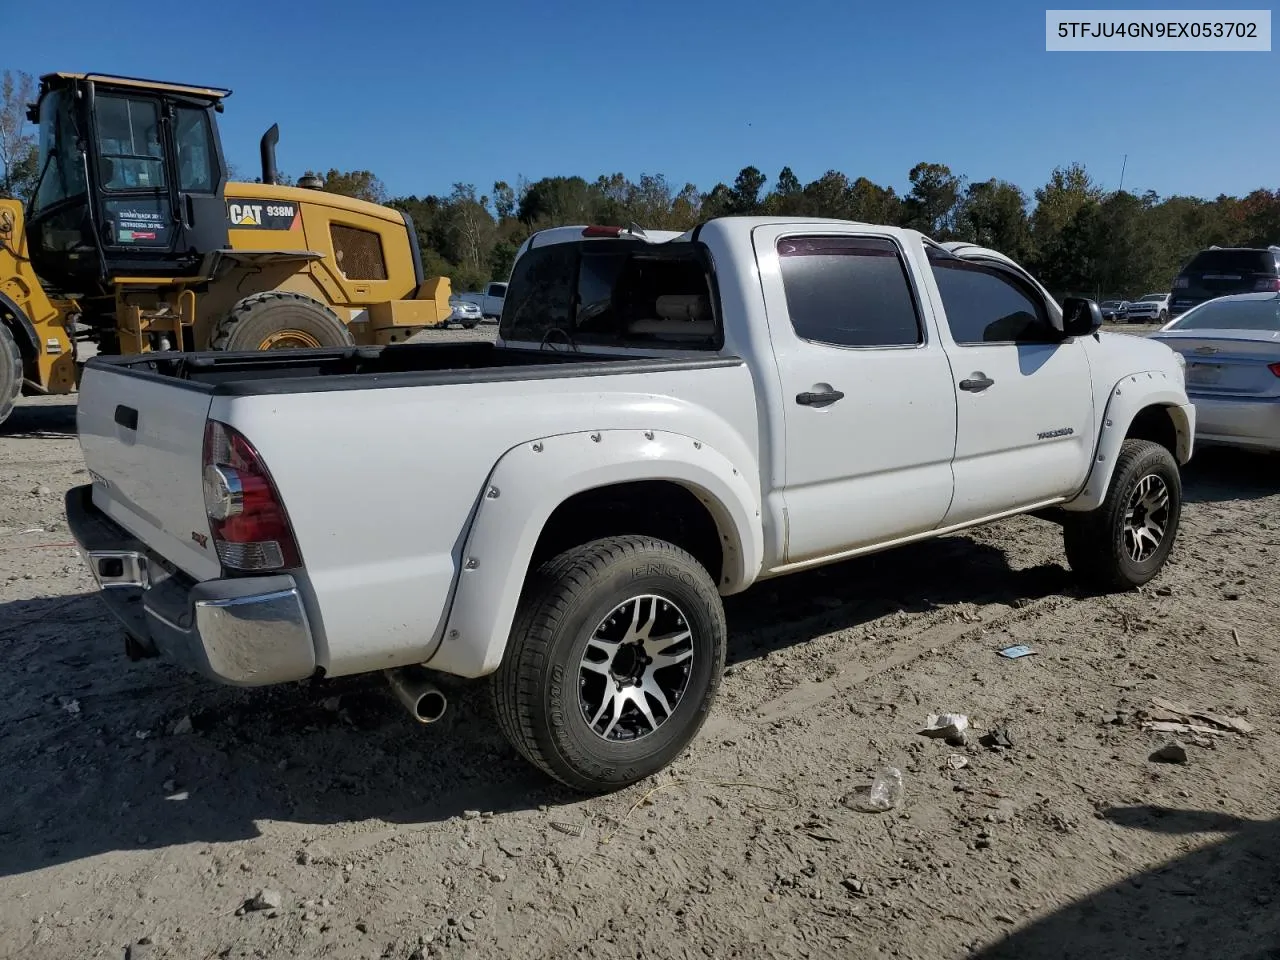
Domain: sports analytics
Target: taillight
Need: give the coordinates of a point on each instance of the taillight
(602, 231)
(1274, 368)
(1268, 285)
(1181, 283)
(250, 528)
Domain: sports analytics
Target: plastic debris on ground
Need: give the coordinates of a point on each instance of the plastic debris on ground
(883, 794)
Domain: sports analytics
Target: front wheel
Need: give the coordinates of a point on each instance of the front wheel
(613, 663)
(1125, 541)
(1164, 317)
(10, 372)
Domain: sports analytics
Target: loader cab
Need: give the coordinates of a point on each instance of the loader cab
(131, 180)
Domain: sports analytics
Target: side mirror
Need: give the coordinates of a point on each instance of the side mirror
(1080, 317)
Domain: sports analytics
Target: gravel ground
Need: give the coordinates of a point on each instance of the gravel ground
(146, 808)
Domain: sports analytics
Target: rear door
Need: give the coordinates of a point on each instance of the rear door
(1025, 419)
(869, 405)
(143, 443)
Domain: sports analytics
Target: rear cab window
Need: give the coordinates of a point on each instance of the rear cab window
(849, 292)
(613, 293)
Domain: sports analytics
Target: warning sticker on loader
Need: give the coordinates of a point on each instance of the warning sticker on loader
(259, 215)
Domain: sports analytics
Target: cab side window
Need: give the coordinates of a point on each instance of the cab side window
(849, 292)
(986, 305)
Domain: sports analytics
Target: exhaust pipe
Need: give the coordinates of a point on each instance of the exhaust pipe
(267, 149)
(422, 698)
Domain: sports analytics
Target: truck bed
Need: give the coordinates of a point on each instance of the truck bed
(398, 365)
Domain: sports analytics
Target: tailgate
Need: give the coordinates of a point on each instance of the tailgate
(143, 441)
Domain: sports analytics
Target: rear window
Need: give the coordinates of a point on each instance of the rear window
(1233, 315)
(612, 293)
(1233, 262)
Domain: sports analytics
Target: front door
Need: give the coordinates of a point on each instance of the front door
(1025, 426)
(869, 408)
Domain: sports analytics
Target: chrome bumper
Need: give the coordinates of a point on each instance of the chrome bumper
(244, 631)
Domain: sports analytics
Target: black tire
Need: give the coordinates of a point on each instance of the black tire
(291, 320)
(1164, 317)
(542, 687)
(1099, 543)
(10, 372)
(470, 326)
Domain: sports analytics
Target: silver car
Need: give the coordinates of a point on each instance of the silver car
(465, 313)
(1231, 347)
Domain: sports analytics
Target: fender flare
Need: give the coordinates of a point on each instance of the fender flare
(531, 480)
(23, 330)
(1132, 394)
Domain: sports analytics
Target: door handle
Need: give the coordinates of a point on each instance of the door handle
(824, 399)
(976, 384)
(127, 417)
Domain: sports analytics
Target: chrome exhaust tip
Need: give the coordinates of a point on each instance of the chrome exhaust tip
(425, 701)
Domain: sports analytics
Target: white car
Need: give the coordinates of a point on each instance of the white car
(660, 424)
(465, 314)
(1231, 346)
(1152, 308)
(489, 303)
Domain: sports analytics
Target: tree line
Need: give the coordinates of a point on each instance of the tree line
(1075, 236)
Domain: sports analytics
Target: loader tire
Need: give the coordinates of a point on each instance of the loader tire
(10, 372)
(279, 320)
(1125, 541)
(613, 662)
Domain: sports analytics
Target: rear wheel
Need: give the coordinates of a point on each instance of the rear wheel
(10, 372)
(279, 320)
(613, 662)
(1126, 540)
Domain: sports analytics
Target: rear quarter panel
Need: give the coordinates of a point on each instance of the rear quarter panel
(381, 484)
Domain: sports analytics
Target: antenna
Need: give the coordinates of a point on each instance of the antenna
(1124, 164)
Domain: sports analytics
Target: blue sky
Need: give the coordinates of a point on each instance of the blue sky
(426, 94)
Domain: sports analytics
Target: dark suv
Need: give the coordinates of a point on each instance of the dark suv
(1220, 271)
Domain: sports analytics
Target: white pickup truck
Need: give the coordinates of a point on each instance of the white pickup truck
(490, 302)
(659, 425)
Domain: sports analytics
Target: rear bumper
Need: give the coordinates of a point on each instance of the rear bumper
(245, 631)
(1244, 423)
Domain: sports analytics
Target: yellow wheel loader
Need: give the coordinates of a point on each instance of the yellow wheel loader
(135, 240)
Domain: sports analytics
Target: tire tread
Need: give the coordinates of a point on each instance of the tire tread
(550, 590)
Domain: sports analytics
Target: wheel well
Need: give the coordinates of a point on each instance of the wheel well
(655, 508)
(1155, 424)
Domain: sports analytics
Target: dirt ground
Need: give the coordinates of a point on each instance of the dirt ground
(143, 807)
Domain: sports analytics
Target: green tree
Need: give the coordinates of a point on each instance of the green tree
(557, 200)
(930, 207)
(787, 197)
(471, 230)
(744, 195)
(504, 200)
(993, 213)
(360, 184)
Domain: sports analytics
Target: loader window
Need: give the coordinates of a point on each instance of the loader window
(195, 156)
(64, 176)
(129, 153)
